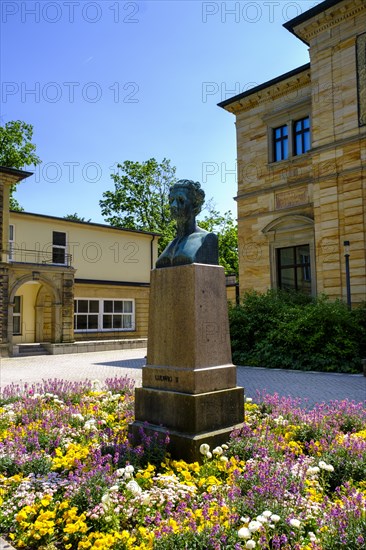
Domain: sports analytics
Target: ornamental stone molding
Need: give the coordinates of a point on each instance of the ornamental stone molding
(278, 90)
(328, 20)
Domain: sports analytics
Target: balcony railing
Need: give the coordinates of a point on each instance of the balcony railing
(24, 255)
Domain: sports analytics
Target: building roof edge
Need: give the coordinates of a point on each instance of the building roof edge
(265, 85)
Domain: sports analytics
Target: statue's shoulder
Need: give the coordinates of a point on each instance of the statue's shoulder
(166, 258)
(208, 252)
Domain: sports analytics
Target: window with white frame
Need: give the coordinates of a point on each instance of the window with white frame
(17, 316)
(104, 315)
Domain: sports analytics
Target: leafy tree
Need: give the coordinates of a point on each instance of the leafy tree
(140, 198)
(227, 231)
(17, 150)
(76, 218)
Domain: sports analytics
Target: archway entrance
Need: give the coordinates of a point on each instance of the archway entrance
(34, 312)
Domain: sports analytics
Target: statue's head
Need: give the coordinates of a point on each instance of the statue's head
(186, 196)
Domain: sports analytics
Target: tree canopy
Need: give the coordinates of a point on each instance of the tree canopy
(140, 199)
(17, 150)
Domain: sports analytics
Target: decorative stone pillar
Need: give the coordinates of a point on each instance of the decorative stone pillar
(4, 301)
(67, 314)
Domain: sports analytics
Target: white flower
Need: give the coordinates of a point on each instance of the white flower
(250, 544)
(134, 487)
(223, 459)
(312, 537)
(120, 472)
(114, 488)
(244, 533)
(254, 526)
(248, 399)
(295, 523)
(204, 448)
(208, 455)
(324, 466)
(245, 519)
(58, 401)
(275, 518)
(312, 470)
(97, 384)
(261, 519)
(129, 469)
(78, 416)
(90, 424)
(106, 501)
(225, 447)
(217, 451)
(267, 513)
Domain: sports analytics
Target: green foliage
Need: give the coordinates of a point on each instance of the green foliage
(140, 198)
(76, 218)
(17, 150)
(290, 330)
(227, 232)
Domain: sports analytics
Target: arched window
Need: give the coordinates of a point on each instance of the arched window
(292, 253)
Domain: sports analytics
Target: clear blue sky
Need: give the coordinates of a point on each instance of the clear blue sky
(107, 81)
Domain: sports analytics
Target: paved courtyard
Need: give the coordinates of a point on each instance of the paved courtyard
(312, 387)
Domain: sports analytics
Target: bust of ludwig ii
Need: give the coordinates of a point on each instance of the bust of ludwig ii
(192, 244)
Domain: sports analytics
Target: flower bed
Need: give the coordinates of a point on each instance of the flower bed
(70, 478)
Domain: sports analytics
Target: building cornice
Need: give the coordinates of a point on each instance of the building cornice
(14, 174)
(308, 28)
(269, 91)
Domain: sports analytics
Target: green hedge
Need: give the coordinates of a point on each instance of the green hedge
(292, 331)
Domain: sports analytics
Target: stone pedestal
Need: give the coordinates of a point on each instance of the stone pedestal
(189, 383)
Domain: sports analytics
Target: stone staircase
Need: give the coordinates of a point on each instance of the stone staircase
(31, 350)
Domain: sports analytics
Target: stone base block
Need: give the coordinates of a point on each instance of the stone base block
(190, 413)
(203, 380)
(184, 446)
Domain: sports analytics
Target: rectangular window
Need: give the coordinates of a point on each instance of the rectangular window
(294, 269)
(290, 139)
(301, 136)
(58, 247)
(11, 242)
(17, 316)
(280, 143)
(104, 315)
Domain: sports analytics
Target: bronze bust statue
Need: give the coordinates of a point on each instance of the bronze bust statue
(192, 244)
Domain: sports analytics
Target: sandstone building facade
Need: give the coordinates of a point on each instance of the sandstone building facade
(72, 286)
(301, 153)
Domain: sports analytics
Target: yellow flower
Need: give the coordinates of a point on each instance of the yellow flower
(361, 434)
(46, 500)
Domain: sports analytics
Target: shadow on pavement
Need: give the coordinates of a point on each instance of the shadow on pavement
(126, 364)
